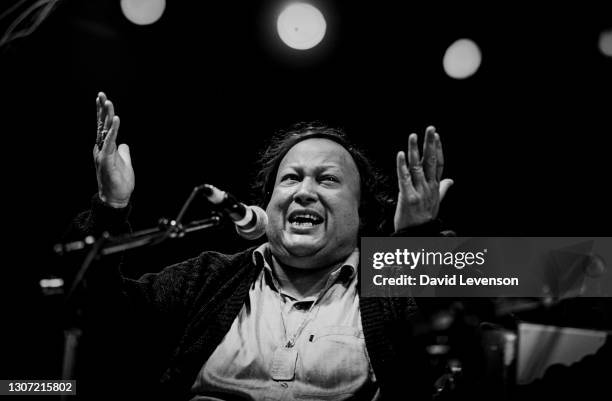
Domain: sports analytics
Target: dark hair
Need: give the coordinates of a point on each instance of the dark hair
(374, 203)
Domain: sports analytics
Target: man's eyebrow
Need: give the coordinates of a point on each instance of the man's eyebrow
(328, 166)
(318, 167)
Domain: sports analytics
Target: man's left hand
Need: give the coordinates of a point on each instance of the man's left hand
(420, 188)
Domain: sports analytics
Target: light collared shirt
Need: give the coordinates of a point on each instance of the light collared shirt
(328, 361)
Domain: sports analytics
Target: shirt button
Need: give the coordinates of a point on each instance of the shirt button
(284, 385)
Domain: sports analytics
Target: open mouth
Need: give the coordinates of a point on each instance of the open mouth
(304, 218)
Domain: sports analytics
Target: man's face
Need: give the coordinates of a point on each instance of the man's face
(313, 212)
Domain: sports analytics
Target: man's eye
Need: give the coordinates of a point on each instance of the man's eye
(290, 177)
(329, 178)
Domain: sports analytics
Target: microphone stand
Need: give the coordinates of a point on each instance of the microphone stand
(107, 245)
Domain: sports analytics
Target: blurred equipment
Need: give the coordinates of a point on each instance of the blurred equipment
(540, 347)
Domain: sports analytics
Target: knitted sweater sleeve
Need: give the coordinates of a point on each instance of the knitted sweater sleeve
(139, 322)
(159, 301)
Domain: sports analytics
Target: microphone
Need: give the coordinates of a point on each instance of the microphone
(250, 221)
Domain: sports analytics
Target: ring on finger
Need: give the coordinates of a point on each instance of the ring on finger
(416, 168)
(100, 139)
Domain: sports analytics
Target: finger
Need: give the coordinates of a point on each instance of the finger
(444, 186)
(108, 121)
(110, 141)
(414, 164)
(439, 158)
(429, 154)
(110, 113)
(404, 182)
(124, 152)
(100, 115)
(99, 121)
(98, 112)
(100, 101)
(413, 151)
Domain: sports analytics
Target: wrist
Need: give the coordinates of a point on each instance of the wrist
(115, 204)
(413, 221)
(105, 217)
(430, 228)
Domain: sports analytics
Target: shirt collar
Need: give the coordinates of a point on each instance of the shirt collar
(347, 270)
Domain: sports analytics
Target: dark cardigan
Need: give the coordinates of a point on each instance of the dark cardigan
(192, 305)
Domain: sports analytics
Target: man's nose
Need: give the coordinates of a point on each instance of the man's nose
(306, 192)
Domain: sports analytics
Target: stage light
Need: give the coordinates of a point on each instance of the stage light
(301, 26)
(143, 12)
(605, 42)
(462, 59)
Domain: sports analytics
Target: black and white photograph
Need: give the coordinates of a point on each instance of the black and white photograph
(245, 200)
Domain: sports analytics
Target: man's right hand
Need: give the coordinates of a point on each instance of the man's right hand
(113, 164)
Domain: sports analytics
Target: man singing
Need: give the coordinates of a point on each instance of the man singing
(284, 320)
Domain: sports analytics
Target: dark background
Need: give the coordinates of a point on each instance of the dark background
(200, 91)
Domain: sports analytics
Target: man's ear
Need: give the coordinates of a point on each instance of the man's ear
(266, 200)
(362, 220)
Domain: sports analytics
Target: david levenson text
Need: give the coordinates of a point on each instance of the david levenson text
(450, 281)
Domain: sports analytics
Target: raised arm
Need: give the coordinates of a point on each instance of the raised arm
(113, 164)
(419, 181)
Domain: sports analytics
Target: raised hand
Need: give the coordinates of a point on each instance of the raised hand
(113, 164)
(420, 188)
